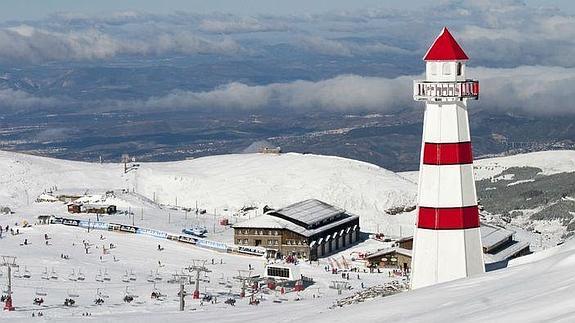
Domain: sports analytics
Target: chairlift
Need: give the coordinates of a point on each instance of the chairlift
(106, 276)
(129, 296)
(16, 273)
(157, 294)
(73, 293)
(151, 277)
(80, 275)
(40, 291)
(132, 276)
(69, 302)
(72, 276)
(53, 274)
(26, 274)
(101, 293)
(99, 276)
(45, 274)
(126, 278)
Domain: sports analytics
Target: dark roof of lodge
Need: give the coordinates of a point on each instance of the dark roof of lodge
(307, 218)
(309, 213)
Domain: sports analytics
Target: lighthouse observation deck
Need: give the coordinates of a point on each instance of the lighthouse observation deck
(445, 91)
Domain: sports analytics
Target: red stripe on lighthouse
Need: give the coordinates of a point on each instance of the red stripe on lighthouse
(448, 218)
(447, 154)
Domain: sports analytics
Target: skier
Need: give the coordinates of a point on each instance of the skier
(25, 242)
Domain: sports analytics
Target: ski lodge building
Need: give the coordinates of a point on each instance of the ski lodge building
(309, 229)
(498, 245)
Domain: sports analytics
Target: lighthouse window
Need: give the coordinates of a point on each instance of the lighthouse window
(459, 67)
(446, 69)
(433, 69)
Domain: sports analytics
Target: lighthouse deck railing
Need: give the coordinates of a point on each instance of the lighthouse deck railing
(445, 91)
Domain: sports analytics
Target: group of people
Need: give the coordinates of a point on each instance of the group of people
(8, 228)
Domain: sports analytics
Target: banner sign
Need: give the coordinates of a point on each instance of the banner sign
(211, 244)
(153, 233)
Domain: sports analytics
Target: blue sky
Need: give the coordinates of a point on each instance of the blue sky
(34, 9)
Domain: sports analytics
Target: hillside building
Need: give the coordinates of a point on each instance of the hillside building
(309, 229)
(498, 244)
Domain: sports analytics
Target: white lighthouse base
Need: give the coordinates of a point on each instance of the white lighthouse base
(444, 255)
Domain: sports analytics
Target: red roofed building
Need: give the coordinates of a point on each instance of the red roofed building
(445, 48)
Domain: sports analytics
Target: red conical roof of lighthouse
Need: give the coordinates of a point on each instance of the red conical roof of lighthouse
(445, 48)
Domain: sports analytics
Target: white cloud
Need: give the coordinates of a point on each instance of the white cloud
(529, 89)
(16, 99)
(326, 46)
(27, 43)
(233, 24)
(342, 93)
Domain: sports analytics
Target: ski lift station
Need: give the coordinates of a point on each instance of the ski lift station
(282, 272)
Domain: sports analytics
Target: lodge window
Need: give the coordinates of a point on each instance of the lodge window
(276, 242)
(459, 68)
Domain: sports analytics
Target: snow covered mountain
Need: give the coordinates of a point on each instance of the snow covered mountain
(226, 182)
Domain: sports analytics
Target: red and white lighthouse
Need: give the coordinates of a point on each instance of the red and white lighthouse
(447, 240)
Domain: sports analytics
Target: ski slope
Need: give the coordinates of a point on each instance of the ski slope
(534, 288)
(222, 183)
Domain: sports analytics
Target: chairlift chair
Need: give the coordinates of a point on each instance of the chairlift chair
(126, 278)
(73, 293)
(40, 291)
(26, 274)
(80, 276)
(72, 276)
(45, 274)
(102, 294)
(151, 277)
(17, 273)
(53, 274)
(106, 276)
(99, 276)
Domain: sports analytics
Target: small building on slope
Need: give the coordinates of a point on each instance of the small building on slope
(309, 229)
(498, 245)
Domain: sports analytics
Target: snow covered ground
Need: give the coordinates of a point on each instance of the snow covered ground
(219, 184)
(534, 288)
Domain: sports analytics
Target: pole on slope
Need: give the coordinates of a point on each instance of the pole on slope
(214, 221)
(182, 302)
(9, 261)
